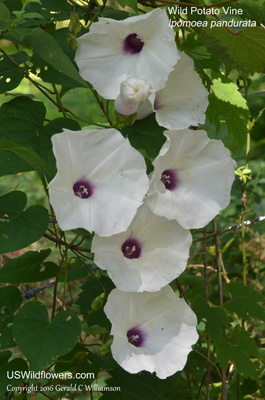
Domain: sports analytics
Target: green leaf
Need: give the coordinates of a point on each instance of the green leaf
(20, 120)
(195, 283)
(10, 300)
(80, 360)
(13, 203)
(145, 386)
(195, 47)
(129, 3)
(252, 9)
(32, 15)
(8, 370)
(29, 268)
(4, 357)
(245, 301)
(243, 50)
(32, 159)
(146, 136)
(51, 53)
(24, 229)
(90, 290)
(26, 2)
(75, 270)
(237, 349)
(42, 341)
(4, 13)
(11, 74)
(215, 316)
(226, 101)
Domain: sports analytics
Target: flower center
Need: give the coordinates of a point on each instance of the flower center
(83, 189)
(169, 179)
(133, 44)
(136, 337)
(131, 248)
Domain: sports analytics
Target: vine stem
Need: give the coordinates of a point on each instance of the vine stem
(207, 373)
(68, 246)
(220, 294)
(180, 3)
(58, 104)
(244, 198)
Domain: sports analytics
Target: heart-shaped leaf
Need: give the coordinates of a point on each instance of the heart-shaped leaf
(42, 341)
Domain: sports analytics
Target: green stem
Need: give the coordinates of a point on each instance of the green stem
(59, 101)
(64, 255)
(244, 199)
(180, 3)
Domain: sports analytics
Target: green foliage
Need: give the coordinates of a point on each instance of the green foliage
(216, 317)
(21, 229)
(12, 74)
(51, 54)
(42, 341)
(226, 101)
(146, 136)
(244, 50)
(10, 300)
(30, 267)
(130, 3)
(9, 369)
(245, 301)
(237, 348)
(148, 387)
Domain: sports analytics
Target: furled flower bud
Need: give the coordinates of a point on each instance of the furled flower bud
(133, 92)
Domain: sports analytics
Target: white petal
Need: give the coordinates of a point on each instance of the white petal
(205, 172)
(164, 253)
(184, 99)
(116, 172)
(103, 62)
(169, 326)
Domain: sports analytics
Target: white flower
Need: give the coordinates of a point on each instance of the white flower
(141, 46)
(182, 102)
(133, 91)
(192, 178)
(100, 183)
(152, 331)
(149, 255)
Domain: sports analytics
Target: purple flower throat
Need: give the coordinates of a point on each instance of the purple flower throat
(131, 248)
(82, 188)
(132, 44)
(136, 336)
(170, 179)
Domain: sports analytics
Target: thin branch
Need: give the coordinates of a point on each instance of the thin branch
(101, 106)
(229, 229)
(207, 372)
(180, 3)
(210, 361)
(220, 294)
(93, 275)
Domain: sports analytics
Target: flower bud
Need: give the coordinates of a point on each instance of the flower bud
(133, 92)
(74, 25)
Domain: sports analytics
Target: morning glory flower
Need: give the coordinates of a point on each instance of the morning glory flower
(182, 102)
(152, 331)
(100, 183)
(142, 46)
(149, 255)
(133, 92)
(192, 178)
